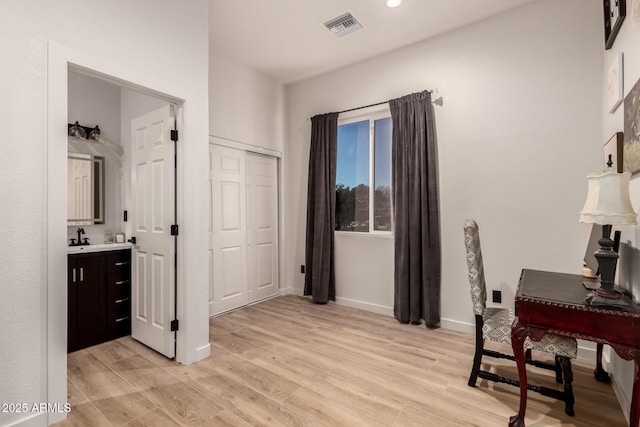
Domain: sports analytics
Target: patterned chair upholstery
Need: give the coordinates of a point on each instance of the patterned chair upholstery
(494, 324)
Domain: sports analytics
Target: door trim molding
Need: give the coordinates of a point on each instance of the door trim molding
(54, 291)
(216, 140)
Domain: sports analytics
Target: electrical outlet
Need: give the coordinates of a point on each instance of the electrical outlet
(302, 269)
(497, 296)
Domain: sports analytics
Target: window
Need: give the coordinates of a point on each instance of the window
(363, 174)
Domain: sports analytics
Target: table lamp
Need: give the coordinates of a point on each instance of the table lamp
(608, 203)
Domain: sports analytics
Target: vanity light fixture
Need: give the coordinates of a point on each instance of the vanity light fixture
(393, 3)
(92, 134)
(77, 131)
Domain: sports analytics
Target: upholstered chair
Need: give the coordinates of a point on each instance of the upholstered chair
(494, 324)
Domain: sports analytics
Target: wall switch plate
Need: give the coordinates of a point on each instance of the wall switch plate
(497, 296)
(302, 269)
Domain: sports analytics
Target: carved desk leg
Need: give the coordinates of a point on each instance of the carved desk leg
(518, 334)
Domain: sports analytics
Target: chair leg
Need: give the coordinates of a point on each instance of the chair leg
(477, 358)
(527, 354)
(558, 369)
(568, 388)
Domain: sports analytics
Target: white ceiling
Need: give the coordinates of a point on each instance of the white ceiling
(286, 39)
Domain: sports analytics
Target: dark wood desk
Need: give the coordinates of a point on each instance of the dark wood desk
(549, 302)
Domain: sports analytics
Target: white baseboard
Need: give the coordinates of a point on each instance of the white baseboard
(456, 325)
(367, 306)
(623, 398)
(625, 403)
(34, 420)
(586, 353)
(290, 291)
(203, 352)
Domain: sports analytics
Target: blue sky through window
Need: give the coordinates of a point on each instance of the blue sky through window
(352, 166)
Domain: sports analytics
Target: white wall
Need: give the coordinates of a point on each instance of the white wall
(628, 42)
(245, 105)
(95, 102)
(519, 130)
(152, 40)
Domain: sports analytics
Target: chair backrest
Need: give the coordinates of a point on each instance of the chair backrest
(474, 264)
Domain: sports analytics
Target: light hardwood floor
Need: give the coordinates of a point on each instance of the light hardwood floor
(287, 361)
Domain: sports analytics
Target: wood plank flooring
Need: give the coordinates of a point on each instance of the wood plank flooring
(289, 362)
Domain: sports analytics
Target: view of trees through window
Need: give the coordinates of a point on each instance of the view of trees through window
(358, 208)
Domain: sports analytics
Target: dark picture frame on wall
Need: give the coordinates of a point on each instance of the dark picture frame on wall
(614, 13)
(631, 146)
(613, 151)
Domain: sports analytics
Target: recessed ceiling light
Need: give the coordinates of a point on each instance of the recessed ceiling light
(393, 3)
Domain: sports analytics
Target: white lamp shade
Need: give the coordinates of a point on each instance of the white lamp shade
(608, 201)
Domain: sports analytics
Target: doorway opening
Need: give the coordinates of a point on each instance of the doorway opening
(67, 67)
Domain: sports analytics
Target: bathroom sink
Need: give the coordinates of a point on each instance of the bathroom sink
(97, 248)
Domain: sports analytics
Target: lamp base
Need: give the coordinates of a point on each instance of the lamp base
(609, 293)
(608, 298)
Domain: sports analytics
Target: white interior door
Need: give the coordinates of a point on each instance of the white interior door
(262, 226)
(153, 213)
(227, 230)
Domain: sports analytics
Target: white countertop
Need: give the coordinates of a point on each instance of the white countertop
(102, 247)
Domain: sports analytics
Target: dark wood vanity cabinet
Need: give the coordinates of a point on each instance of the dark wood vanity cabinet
(99, 297)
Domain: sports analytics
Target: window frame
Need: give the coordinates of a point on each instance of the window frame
(371, 114)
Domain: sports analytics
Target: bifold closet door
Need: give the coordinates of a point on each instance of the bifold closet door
(262, 226)
(243, 237)
(228, 288)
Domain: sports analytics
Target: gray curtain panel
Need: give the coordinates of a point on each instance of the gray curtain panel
(415, 197)
(319, 279)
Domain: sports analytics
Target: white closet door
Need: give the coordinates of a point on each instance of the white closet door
(262, 226)
(227, 230)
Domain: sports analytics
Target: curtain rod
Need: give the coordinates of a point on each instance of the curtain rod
(436, 102)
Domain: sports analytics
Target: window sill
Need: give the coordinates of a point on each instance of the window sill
(376, 234)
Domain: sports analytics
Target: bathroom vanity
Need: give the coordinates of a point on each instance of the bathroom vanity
(99, 294)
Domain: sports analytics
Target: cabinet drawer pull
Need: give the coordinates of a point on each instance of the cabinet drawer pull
(122, 282)
(81, 274)
(74, 275)
(122, 319)
(122, 263)
(118, 301)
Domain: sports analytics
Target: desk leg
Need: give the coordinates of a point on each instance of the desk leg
(634, 416)
(600, 374)
(518, 334)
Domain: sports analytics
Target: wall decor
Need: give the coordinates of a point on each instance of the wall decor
(614, 14)
(613, 148)
(631, 146)
(615, 83)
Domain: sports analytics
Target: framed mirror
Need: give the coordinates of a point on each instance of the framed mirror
(85, 189)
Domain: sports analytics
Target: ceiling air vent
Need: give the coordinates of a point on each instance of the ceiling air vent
(343, 25)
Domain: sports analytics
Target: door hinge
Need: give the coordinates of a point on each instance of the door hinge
(174, 229)
(174, 325)
(174, 135)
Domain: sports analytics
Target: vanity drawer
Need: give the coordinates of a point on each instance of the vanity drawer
(118, 287)
(119, 263)
(120, 326)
